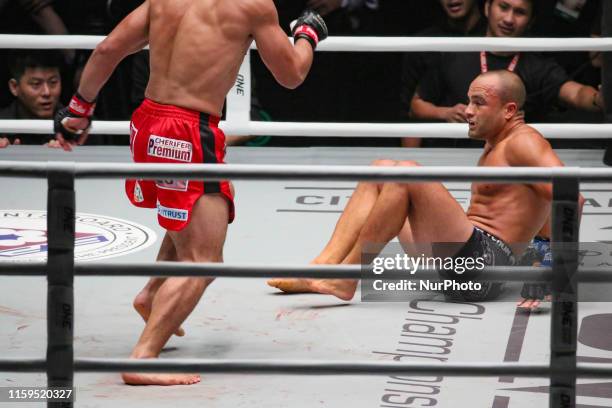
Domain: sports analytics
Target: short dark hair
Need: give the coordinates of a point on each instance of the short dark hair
(24, 59)
(534, 8)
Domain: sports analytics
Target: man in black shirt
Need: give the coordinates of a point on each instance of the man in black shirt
(462, 19)
(36, 86)
(441, 93)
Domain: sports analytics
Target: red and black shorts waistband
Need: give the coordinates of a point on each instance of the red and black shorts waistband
(151, 107)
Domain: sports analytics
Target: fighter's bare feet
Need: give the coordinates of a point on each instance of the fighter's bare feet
(142, 304)
(343, 289)
(160, 379)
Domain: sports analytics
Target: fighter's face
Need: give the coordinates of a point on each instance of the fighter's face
(485, 113)
(38, 90)
(457, 9)
(508, 18)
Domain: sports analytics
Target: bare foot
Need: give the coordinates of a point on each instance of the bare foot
(160, 379)
(142, 304)
(341, 288)
(293, 285)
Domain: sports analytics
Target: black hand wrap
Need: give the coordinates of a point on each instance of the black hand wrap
(78, 108)
(310, 26)
(537, 254)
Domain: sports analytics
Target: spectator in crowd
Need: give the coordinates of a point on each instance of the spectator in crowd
(461, 18)
(572, 19)
(28, 17)
(36, 86)
(441, 93)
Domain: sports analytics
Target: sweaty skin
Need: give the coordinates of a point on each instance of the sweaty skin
(196, 49)
(512, 212)
(426, 212)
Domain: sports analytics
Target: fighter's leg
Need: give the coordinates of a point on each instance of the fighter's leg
(352, 220)
(433, 216)
(144, 299)
(345, 233)
(201, 241)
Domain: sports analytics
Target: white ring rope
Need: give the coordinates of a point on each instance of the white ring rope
(215, 172)
(428, 130)
(239, 125)
(357, 44)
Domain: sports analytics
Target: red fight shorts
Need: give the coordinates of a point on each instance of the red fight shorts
(169, 134)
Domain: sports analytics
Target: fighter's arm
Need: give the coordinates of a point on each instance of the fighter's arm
(581, 96)
(130, 36)
(289, 64)
(532, 150)
(422, 109)
(71, 123)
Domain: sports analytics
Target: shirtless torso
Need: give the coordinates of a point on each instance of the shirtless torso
(197, 48)
(512, 212)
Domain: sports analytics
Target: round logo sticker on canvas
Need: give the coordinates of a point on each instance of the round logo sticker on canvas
(23, 236)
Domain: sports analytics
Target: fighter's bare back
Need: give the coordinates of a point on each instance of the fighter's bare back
(196, 48)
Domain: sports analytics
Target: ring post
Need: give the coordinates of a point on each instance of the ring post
(238, 101)
(564, 315)
(60, 278)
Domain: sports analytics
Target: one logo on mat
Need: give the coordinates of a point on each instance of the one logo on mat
(172, 149)
(172, 213)
(23, 236)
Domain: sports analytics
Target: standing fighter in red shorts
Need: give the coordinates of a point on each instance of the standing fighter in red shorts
(197, 48)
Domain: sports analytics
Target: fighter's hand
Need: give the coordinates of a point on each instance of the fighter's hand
(311, 27)
(324, 7)
(53, 144)
(456, 114)
(538, 253)
(71, 124)
(5, 142)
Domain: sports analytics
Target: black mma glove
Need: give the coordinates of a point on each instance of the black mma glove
(77, 108)
(310, 26)
(537, 254)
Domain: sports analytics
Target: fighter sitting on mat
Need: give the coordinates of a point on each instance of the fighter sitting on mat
(499, 215)
(196, 50)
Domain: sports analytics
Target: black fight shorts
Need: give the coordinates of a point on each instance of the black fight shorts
(494, 252)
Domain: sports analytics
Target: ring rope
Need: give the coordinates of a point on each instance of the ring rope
(323, 129)
(308, 367)
(166, 269)
(357, 44)
(214, 172)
